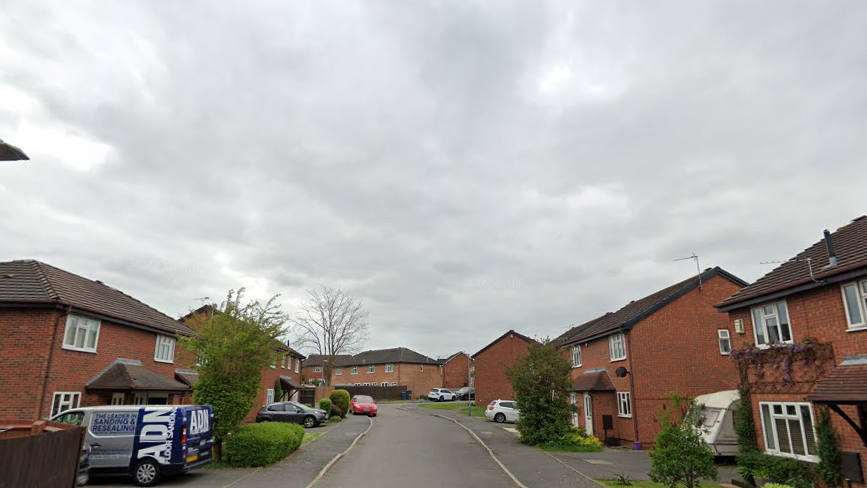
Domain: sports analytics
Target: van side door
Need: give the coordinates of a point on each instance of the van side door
(111, 436)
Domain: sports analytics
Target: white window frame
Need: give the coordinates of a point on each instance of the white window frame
(118, 398)
(421, 368)
(62, 401)
(384, 383)
(576, 356)
(861, 296)
(297, 364)
(317, 369)
(772, 429)
(724, 337)
(389, 368)
(78, 325)
(354, 370)
(283, 361)
(617, 344)
(371, 369)
(338, 371)
(358, 384)
(760, 320)
(269, 396)
(624, 406)
(169, 343)
(367, 384)
(394, 383)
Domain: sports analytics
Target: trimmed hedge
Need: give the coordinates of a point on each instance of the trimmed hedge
(340, 398)
(262, 444)
(325, 404)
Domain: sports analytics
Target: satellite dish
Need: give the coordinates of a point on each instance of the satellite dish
(621, 372)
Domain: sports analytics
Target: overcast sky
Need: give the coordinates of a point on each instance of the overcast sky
(462, 167)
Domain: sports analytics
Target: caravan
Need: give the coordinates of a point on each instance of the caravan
(717, 410)
(146, 442)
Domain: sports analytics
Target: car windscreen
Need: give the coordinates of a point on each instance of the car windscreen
(364, 399)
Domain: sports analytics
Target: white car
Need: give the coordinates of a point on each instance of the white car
(441, 395)
(503, 411)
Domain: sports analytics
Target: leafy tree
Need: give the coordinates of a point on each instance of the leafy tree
(541, 381)
(233, 344)
(681, 455)
(331, 322)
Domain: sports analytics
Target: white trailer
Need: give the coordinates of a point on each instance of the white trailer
(717, 409)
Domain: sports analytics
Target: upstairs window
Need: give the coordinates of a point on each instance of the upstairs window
(317, 369)
(338, 371)
(855, 298)
(297, 364)
(576, 356)
(421, 368)
(617, 347)
(771, 324)
(165, 351)
(82, 334)
(389, 368)
(371, 369)
(354, 370)
(725, 341)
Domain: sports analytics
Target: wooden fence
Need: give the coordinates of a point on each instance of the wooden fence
(39, 454)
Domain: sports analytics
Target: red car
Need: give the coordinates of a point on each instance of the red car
(363, 405)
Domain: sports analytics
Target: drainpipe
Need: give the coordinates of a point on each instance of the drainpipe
(50, 360)
(636, 445)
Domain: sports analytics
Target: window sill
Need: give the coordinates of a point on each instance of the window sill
(624, 416)
(576, 367)
(860, 328)
(808, 459)
(164, 361)
(70, 348)
(616, 360)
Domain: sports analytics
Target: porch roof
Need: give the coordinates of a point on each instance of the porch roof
(122, 376)
(846, 384)
(593, 381)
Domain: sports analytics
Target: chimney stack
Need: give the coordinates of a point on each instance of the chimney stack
(832, 257)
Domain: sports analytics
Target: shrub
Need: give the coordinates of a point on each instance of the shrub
(335, 419)
(576, 440)
(828, 445)
(681, 456)
(325, 404)
(792, 472)
(336, 412)
(263, 444)
(341, 399)
(776, 485)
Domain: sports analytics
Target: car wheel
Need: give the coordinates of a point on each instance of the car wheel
(500, 418)
(146, 473)
(309, 422)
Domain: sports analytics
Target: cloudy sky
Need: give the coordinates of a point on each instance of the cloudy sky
(462, 167)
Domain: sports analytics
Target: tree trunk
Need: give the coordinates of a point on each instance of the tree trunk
(218, 450)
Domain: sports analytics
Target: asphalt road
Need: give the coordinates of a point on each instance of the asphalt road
(410, 449)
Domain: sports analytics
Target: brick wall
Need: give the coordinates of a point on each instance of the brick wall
(26, 339)
(819, 314)
(491, 381)
(455, 372)
(418, 378)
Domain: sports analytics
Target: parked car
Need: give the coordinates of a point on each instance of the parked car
(363, 405)
(503, 411)
(466, 393)
(146, 442)
(292, 412)
(441, 395)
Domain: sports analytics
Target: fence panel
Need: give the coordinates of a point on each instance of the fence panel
(48, 460)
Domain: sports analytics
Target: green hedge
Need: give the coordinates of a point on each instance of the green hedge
(340, 398)
(325, 404)
(255, 445)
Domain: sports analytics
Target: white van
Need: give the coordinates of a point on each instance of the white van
(717, 409)
(146, 442)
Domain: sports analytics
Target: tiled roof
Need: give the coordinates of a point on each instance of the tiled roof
(850, 246)
(319, 360)
(638, 310)
(122, 376)
(845, 384)
(498, 339)
(30, 282)
(288, 383)
(593, 381)
(188, 378)
(386, 356)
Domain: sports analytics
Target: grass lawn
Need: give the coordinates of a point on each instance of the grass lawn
(461, 408)
(651, 484)
(309, 437)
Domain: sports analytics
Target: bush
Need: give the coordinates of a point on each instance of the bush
(576, 440)
(325, 404)
(335, 419)
(681, 455)
(776, 485)
(792, 472)
(828, 444)
(336, 412)
(341, 399)
(263, 444)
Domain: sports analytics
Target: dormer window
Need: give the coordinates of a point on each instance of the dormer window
(771, 324)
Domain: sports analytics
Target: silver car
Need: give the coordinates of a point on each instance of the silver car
(503, 411)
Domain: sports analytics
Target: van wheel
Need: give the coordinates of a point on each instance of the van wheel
(309, 422)
(147, 472)
(499, 418)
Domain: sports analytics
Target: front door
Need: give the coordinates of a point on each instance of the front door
(573, 397)
(588, 413)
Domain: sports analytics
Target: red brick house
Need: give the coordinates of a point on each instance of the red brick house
(802, 330)
(457, 371)
(70, 341)
(624, 363)
(313, 368)
(490, 366)
(397, 366)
